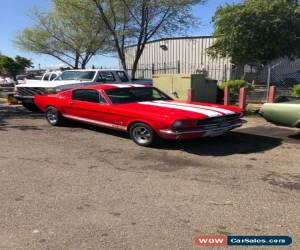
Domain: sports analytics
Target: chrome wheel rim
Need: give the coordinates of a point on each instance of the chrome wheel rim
(52, 116)
(142, 135)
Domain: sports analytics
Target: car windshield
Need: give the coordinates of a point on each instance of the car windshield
(139, 94)
(77, 75)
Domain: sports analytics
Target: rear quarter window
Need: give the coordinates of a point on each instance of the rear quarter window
(106, 77)
(46, 77)
(87, 95)
(123, 77)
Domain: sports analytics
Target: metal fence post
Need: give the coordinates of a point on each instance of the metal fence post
(242, 99)
(268, 80)
(178, 67)
(226, 95)
(272, 94)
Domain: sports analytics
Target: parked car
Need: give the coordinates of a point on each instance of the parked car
(290, 79)
(144, 112)
(47, 76)
(29, 78)
(67, 80)
(285, 112)
(21, 79)
(6, 82)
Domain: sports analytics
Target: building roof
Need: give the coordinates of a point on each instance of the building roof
(172, 38)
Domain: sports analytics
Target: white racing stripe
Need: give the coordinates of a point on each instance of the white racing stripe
(224, 111)
(120, 85)
(207, 112)
(137, 85)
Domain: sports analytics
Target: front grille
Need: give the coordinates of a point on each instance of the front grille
(218, 120)
(28, 91)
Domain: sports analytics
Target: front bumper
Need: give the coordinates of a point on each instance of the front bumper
(202, 132)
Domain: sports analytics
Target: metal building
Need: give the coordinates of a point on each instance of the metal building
(179, 55)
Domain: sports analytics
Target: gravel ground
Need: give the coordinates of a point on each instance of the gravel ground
(82, 187)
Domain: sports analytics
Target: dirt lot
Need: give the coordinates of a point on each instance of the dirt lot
(82, 187)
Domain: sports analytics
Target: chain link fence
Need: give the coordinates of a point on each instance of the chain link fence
(220, 72)
(284, 74)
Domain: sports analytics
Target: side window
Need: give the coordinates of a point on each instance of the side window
(101, 99)
(46, 77)
(106, 77)
(123, 76)
(52, 77)
(87, 95)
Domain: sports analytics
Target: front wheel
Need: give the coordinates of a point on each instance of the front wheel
(143, 135)
(54, 117)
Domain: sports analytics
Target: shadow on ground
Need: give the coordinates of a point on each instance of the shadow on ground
(17, 112)
(290, 135)
(295, 136)
(244, 141)
(228, 144)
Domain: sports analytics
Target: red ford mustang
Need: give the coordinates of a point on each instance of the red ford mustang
(145, 112)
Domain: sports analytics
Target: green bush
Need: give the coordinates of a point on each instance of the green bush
(296, 90)
(235, 85)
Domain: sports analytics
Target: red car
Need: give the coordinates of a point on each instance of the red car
(145, 112)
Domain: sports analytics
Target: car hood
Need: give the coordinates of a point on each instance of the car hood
(178, 109)
(51, 84)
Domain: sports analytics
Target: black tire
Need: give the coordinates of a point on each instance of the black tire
(54, 117)
(143, 135)
(31, 107)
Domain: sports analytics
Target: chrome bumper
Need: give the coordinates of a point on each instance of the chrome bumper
(212, 131)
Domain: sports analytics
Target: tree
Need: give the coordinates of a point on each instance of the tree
(256, 32)
(138, 21)
(13, 67)
(71, 36)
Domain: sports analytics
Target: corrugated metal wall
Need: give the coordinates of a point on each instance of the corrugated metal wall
(184, 55)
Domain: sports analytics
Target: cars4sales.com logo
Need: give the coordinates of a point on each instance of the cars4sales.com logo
(215, 241)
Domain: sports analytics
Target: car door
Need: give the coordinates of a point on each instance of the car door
(86, 105)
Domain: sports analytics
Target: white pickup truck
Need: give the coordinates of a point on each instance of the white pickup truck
(67, 80)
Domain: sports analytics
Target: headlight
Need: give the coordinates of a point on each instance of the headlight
(177, 124)
(182, 124)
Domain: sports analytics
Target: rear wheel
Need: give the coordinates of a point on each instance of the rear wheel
(143, 135)
(54, 117)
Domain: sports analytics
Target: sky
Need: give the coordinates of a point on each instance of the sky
(15, 15)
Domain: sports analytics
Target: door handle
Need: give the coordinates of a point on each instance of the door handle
(70, 102)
